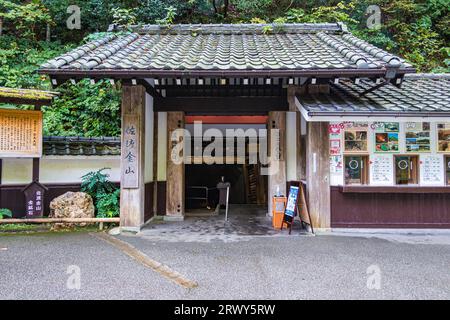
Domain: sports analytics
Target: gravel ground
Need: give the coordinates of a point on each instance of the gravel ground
(257, 267)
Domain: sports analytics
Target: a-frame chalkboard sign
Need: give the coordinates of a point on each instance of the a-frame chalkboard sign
(289, 211)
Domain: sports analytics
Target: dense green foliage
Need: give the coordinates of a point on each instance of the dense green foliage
(5, 213)
(417, 30)
(103, 192)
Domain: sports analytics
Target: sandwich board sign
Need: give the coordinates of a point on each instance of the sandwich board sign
(291, 205)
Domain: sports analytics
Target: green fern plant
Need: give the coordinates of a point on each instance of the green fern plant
(108, 204)
(96, 183)
(5, 213)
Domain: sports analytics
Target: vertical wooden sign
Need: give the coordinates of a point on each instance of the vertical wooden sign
(130, 151)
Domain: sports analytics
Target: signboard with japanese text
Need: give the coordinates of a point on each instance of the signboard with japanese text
(431, 170)
(20, 133)
(381, 169)
(34, 199)
(130, 152)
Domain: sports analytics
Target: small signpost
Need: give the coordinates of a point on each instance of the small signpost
(34, 199)
(289, 211)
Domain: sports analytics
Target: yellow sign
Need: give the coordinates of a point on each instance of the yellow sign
(20, 133)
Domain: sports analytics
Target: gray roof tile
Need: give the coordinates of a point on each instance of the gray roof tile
(222, 47)
(421, 93)
(80, 146)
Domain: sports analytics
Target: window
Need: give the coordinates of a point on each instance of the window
(443, 137)
(447, 170)
(406, 170)
(418, 137)
(356, 169)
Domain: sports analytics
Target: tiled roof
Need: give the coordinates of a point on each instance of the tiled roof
(218, 49)
(79, 146)
(420, 94)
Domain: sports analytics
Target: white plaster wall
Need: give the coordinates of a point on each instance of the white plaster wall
(162, 146)
(148, 175)
(17, 171)
(70, 169)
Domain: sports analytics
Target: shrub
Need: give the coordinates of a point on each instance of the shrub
(5, 213)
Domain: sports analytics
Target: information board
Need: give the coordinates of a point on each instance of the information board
(20, 133)
(431, 169)
(381, 169)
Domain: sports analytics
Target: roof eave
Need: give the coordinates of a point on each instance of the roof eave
(114, 73)
(401, 114)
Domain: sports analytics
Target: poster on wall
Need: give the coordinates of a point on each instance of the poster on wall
(381, 169)
(336, 166)
(355, 137)
(443, 130)
(418, 137)
(386, 136)
(431, 169)
(334, 131)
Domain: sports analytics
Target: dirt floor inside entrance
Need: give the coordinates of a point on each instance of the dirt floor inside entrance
(244, 222)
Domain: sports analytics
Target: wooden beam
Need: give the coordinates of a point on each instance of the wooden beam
(227, 119)
(222, 105)
(61, 220)
(175, 172)
(149, 88)
(132, 157)
(25, 101)
(318, 174)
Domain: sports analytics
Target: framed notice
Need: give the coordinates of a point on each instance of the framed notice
(431, 169)
(20, 133)
(355, 137)
(386, 136)
(443, 131)
(381, 169)
(418, 137)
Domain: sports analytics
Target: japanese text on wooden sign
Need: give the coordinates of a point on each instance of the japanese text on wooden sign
(130, 150)
(20, 133)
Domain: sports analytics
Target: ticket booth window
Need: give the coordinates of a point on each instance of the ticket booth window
(356, 170)
(406, 170)
(447, 169)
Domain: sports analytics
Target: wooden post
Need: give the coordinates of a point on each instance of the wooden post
(277, 120)
(1, 171)
(175, 172)
(299, 139)
(155, 163)
(318, 174)
(132, 157)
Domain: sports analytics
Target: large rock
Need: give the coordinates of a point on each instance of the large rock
(72, 205)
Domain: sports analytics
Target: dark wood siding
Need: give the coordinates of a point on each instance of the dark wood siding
(11, 197)
(148, 204)
(389, 210)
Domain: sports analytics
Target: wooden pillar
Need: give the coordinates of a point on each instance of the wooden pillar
(318, 174)
(299, 142)
(277, 120)
(132, 166)
(175, 171)
(155, 163)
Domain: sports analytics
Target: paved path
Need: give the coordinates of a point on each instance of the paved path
(258, 267)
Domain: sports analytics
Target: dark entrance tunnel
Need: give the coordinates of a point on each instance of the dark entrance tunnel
(242, 178)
